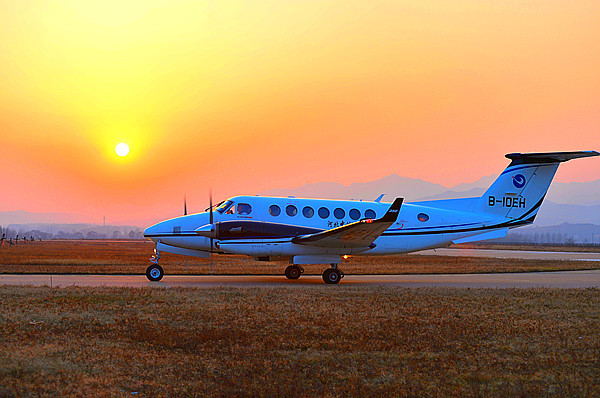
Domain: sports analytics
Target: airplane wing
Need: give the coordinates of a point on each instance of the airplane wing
(358, 234)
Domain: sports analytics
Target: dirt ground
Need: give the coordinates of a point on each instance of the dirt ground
(308, 341)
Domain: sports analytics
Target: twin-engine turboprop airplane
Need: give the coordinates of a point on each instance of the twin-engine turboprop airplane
(320, 231)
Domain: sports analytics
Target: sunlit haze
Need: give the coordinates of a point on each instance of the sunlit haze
(248, 96)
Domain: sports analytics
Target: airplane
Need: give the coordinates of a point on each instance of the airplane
(322, 231)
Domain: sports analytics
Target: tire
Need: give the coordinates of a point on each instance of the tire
(332, 276)
(293, 272)
(154, 273)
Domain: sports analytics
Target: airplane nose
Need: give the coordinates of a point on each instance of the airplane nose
(148, 232)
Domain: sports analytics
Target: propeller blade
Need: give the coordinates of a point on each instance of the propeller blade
(211, 206)
(211, 220)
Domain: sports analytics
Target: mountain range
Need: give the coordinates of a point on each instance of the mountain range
(575, 202)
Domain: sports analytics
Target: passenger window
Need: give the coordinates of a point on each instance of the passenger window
(244, 208)
(291, 210)
(274, 210)
(370, 214)
(308, 212)
(422, 217)
(354, 214)
(323, 212)
(339, 213)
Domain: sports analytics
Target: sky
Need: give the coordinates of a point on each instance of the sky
(245, 96)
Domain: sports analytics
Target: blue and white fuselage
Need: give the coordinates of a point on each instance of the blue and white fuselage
(313, 231)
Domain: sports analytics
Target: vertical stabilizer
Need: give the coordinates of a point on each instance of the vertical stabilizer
(519, 191)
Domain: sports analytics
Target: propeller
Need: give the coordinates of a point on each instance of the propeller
(210, 202)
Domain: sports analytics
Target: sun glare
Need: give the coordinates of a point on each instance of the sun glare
(122, 149)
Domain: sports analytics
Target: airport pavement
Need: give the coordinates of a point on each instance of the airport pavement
(563, 279)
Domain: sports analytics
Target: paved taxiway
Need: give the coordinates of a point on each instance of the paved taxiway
(566, 279)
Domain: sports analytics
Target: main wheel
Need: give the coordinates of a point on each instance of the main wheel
(293, 272)
(154, 272)
(332, 276)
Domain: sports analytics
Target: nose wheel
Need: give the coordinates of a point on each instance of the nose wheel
(154, 273)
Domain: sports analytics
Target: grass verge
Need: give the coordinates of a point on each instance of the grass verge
(320, 340)
(131, 257)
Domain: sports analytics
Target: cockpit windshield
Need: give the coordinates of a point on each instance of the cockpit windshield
(224, 206)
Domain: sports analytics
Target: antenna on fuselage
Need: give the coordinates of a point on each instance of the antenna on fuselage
(379, 198)
(184, 204)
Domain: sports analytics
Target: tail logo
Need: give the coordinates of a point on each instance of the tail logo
(519, 180)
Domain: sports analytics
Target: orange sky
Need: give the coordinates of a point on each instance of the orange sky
(247, 96)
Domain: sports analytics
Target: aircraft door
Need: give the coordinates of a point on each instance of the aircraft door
(257, 232)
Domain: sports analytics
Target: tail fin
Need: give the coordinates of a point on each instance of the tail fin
(519, 191)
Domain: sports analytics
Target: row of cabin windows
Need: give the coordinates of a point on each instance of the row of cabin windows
(308, 212)
(323, 212)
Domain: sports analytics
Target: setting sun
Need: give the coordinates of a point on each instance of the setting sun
(122, 149)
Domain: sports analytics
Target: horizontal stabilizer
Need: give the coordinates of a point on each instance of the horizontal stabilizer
(360, 234)
(548, 157)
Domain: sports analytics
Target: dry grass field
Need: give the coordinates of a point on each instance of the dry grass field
(309, 341)
(545, 247)
(132, 257)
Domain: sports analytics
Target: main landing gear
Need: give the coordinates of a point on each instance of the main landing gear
(155, 272)
(294, 271)
(333, 275)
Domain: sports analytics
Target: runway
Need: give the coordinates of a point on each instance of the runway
(565, 279)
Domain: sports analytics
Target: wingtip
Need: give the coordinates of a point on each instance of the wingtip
(392, 214)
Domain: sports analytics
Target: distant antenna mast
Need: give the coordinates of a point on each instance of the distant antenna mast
(104, 222)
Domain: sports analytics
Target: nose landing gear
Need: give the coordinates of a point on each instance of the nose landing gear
(155, 272)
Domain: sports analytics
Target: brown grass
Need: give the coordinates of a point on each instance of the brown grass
(321, 340)
(132, 257)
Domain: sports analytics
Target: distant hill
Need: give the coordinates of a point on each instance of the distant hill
(574, 193)
(392, 185)
(555, 213)
(26, 218)
(72, 231)
(564, 233)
